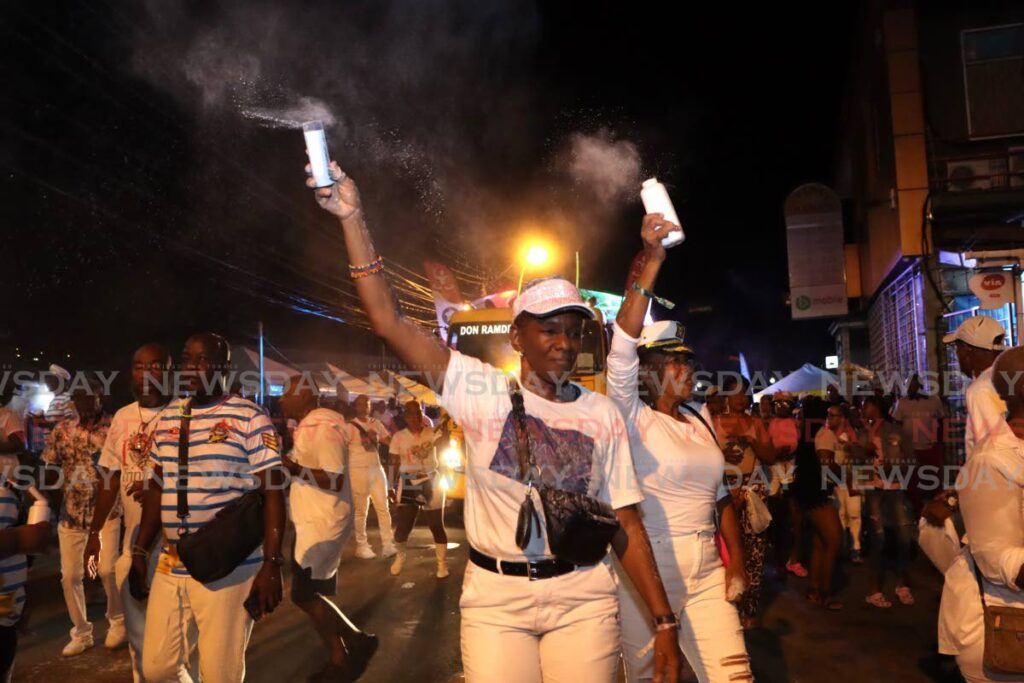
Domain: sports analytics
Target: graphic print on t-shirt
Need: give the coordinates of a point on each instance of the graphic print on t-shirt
(564, 457)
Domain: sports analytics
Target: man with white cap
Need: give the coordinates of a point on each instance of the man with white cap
(528, 614)
(977, 342)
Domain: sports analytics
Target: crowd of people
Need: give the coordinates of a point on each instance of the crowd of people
(700, 499)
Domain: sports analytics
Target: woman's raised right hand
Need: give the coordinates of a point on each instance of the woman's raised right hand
(342, 198)
(654, 229)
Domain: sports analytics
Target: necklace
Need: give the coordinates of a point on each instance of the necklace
(141, 441)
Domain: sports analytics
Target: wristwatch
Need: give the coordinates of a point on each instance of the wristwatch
(275, 559)
(665, 622)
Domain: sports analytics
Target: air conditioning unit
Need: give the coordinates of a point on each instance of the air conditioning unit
(964, 175)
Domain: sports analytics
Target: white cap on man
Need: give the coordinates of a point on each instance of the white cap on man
(547, 296)
(981, 332)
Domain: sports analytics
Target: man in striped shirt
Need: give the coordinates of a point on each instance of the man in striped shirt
(13, 574)
(233, 449)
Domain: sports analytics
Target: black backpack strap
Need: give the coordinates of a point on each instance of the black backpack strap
(182, 484)
(526, 462)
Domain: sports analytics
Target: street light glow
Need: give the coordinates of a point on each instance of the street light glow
(537, 255)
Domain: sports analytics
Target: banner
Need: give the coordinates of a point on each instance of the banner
(817, 261)
(447, 296)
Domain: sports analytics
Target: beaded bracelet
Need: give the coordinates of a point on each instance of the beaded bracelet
(371, 268)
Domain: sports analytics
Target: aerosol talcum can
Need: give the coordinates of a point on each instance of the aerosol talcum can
(656, 200)
(316, 148)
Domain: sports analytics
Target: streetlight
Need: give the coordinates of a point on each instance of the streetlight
(534, 255)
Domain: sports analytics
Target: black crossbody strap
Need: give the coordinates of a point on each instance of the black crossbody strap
(700, 417)
(182, 483)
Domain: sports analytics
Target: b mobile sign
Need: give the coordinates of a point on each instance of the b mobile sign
(814, 240)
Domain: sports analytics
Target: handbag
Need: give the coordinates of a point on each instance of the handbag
(217, 548)
(758, 515)
(1004, 634)
(579, 527)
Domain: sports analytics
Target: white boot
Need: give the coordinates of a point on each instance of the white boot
(441, 550)
(396, 566)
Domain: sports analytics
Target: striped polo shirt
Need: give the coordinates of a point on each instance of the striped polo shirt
(229, 442)
(14, 569)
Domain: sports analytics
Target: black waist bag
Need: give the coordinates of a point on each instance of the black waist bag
(218, 547)
(579, 527)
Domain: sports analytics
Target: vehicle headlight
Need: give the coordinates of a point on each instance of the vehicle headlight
(451, 457)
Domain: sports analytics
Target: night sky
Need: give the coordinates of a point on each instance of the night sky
(141, 204)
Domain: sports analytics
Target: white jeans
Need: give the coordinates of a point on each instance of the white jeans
(72, 574)
(369, 483)
(849, 513)
(183, 614)
(135, 614)
(559, 630)
(970, 662)
(710, 634)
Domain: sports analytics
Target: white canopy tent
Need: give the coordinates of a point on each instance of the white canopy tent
(809, 379)
(411, 389)
(353, 386)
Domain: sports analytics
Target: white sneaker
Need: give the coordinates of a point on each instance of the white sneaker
(389, 550)
(77, 646)
(365, 552)
(396, 566)
(117, 636)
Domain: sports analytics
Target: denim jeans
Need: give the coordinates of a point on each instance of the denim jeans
(890, 509)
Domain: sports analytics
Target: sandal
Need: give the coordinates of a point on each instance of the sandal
(878, 600)
(904, 595)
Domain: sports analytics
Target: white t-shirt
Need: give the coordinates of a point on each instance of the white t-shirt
(322, 518)
(679, 464)
(126, 450)
(919, 418)
(581, 444)
(991, 488)
(362, 454)
(415, 451)
(986, 412)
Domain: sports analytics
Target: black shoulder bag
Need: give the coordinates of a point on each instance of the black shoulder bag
(579, 527)
(214, 550)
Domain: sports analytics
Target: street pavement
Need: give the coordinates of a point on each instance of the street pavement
(416, 617)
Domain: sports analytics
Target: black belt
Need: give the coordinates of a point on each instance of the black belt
(542, 569)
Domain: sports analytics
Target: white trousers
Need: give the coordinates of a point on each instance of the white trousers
(849, 513)
(183, 614)
(135, 615)
(72, 574)
(970, 662)
(369, 483)
(559, 630)
(710, 634)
